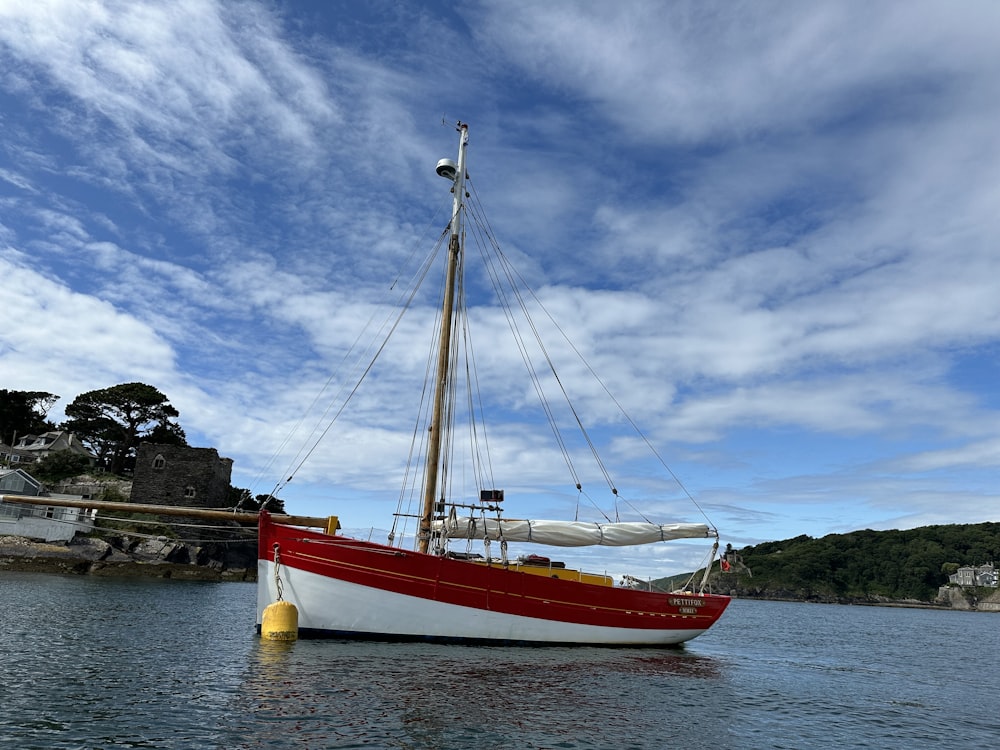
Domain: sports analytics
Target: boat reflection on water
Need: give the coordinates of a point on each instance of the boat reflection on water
(337, 694)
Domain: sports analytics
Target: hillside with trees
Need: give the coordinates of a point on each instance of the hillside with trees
(862, 566)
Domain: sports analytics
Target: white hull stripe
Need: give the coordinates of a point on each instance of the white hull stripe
(328, 606)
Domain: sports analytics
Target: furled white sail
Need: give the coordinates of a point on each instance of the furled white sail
(570, 533)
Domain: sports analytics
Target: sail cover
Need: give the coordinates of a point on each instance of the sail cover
(570, 533)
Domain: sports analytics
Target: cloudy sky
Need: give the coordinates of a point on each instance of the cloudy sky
(772, 228)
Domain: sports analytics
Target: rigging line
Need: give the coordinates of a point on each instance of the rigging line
(538, 339)
(99, 519)
(525, 356)
(460, 344)
(419, 447)
(248, 531)
(266, 469)
(628, 417)
(505, 264)
(418, 440)
(639, 512)
(361, 335)
(416, 284)
(511, 272)
(586, 364)
(141, 535)
(448, 418)
(421, 437)
(417, 242)
(367, 370)
(597, 507)
(484, 468)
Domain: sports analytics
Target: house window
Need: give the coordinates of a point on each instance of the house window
(159, 462)
(189, 491)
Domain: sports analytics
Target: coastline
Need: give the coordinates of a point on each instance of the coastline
(117, 556)
(160, 557)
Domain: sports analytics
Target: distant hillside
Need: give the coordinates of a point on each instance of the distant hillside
(860, 566)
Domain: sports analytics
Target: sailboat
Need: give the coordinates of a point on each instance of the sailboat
(440, 588)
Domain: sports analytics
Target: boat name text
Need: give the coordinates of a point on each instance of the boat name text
(687, 602)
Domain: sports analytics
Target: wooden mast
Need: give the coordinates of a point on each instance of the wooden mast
(442, 385)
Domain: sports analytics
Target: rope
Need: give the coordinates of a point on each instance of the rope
(708, 567)
(277, 577)
(516, 282)
(415, 286)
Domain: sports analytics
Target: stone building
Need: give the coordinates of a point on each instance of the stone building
(180, 475)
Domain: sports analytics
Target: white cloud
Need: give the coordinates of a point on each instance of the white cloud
(697, 71)
(54, 337)
(766, 220)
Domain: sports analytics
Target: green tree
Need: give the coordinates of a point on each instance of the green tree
(245, 500)
(113, 421)
(270, 503)
(24, 413)
(908, 564)
(240, 498)
(60, 465)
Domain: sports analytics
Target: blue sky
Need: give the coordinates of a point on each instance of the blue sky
(772, 227)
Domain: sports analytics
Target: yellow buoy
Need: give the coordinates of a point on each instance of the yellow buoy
(280, 622)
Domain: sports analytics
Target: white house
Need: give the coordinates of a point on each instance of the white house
(980, 575)
(32, 448)
(50, 523)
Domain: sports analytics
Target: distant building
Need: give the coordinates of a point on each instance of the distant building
(33, 448)
(979, 575)
(181, 475)
(49, 523)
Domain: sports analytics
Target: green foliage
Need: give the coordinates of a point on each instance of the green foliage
(24, 413)
(239, 498)
(270, 503)
(869, 564)
(60, 465)
(245, 500)
(113, 494)
(113, 421)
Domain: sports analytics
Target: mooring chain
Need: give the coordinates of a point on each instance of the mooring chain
(277, 578)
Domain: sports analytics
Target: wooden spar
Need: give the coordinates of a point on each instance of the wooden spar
(444, 347)
(209, 514)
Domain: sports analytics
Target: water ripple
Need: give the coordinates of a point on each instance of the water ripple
(100, 663)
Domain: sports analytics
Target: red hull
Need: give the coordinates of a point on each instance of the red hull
(493, 589)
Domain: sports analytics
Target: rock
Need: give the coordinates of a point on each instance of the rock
(90, 548)
(158, 548)
(121, 556)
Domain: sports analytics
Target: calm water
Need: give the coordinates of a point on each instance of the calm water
(98, 663)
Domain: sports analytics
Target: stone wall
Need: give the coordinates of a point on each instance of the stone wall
(95, 487)
(181, 475)
(990, 603)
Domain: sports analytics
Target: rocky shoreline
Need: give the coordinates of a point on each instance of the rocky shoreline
(123, 556)
(948, 597)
